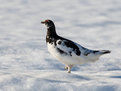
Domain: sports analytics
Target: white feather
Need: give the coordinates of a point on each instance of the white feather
(74, 59)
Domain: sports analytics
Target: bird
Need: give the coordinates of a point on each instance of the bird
(69, 52)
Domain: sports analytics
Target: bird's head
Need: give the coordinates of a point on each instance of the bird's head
(48, 23)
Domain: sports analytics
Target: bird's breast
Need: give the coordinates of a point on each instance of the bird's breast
(54, 51)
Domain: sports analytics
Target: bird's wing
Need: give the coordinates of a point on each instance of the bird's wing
(67, 47)
(88, 52)
(71, 48)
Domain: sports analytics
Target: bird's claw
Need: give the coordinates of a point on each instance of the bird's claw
(69, 71)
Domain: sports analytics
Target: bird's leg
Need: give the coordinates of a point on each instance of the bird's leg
(69, 68)
(66, 67)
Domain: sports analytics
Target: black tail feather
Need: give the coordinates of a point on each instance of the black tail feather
(105, 51)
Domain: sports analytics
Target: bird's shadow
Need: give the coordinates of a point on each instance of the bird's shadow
(79, 77)
(115, 77)
(54, 81)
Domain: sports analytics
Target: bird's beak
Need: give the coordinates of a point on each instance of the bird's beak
(43, 22)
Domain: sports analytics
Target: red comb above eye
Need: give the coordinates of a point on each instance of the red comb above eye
(46, 20)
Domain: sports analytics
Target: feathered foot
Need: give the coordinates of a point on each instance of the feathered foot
(69, 68)
(66, 67)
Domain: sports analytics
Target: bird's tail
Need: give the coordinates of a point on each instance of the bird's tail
(105, 51)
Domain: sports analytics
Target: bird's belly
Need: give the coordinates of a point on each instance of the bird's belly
(66, 59)
(61, 57)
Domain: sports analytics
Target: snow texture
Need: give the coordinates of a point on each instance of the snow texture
(25, 63)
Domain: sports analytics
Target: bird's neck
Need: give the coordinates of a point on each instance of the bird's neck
(51, 32)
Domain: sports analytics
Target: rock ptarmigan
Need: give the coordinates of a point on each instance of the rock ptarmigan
(67, 51)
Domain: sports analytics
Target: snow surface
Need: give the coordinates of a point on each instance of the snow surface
(25, 63)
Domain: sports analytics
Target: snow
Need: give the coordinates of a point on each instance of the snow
(25, 63)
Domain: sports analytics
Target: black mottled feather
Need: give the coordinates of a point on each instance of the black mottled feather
(52, 38)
